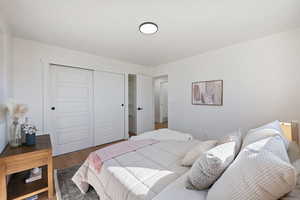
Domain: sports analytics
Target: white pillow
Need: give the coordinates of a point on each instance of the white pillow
(233, 137)
(257, 135)
(192, 155)
(261, 171)
(275, 125)
(211, 164)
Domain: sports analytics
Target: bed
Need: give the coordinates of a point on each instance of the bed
(152, 172)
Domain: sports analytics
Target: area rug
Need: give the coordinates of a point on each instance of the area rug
(67, 190)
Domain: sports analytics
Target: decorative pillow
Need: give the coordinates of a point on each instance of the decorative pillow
(295, 193)
(233, 137)
(293, 152)
(265, 130)
(191, 156)
(211, 164)
(261, 171)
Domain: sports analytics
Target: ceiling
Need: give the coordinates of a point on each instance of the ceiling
(109, 28)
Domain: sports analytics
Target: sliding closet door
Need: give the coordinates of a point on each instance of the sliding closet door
(145, 107)
(109, 92)
(71, 108)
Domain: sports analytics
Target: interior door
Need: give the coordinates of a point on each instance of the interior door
(163, 100)
(109, 92)
(145, 104)
(71, 97)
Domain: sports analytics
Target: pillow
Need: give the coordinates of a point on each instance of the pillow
(261, 134)
(261, 171)
(293, 152)
(233, 137)
(274, 126)
(192, 155)
(295, 193)
(211, 164)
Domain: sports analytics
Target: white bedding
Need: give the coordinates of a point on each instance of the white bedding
(164, 134)
(141, 174)
(177, 191)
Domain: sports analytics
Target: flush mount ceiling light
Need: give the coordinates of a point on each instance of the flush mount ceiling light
(148, 28)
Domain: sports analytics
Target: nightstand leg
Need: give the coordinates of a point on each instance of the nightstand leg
(3, 193)
(50, 177)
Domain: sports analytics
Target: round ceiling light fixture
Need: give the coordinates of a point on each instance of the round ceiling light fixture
(148, 28)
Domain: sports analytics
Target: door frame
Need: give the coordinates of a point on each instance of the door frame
(46, 129)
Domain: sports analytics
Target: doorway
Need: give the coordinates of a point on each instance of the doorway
(140, 104)
(132, 104)
(161, 102)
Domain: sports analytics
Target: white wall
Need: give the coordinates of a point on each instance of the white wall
(261, 83)
(29, 59)
(157, 82)
(5, 76)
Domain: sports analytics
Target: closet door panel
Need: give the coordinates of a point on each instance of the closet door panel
(71, 110)
(109, 94)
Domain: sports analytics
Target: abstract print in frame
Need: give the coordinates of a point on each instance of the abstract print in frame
(207, 93)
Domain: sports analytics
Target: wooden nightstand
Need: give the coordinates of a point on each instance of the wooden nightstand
(16, 160)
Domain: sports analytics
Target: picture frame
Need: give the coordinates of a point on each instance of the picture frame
(209, 93)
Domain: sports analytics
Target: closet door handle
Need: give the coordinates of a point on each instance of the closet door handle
(52, 108)
(139, 108)
(122, 105)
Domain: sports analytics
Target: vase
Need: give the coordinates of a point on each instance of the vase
(15, 138)
(30, 139)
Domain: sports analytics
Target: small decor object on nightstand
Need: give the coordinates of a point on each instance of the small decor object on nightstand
(34, 174)
(15, 113)
(30, 132)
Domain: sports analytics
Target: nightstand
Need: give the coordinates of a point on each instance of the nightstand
(14, 161)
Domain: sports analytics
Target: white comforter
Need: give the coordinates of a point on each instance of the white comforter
(141, 174)
(164, 134)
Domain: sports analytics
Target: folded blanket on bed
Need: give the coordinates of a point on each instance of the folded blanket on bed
(96, 158)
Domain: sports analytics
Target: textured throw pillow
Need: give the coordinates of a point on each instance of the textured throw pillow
(261, 171)
(295, 193)
(191, 156)
(211, 164)
(265, 131)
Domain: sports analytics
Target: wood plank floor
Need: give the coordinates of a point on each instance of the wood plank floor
(161, 125)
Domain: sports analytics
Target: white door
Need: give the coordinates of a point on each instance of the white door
(109, 91)
(145, 109)
(71, 109)
(163, 100)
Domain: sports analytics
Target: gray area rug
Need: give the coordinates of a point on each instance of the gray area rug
(67, 190)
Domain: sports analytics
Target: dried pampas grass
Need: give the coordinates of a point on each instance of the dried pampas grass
(16, 111)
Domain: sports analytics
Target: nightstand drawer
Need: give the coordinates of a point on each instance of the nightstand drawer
(28, 161)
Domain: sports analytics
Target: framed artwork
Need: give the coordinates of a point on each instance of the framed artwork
(207, 93)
